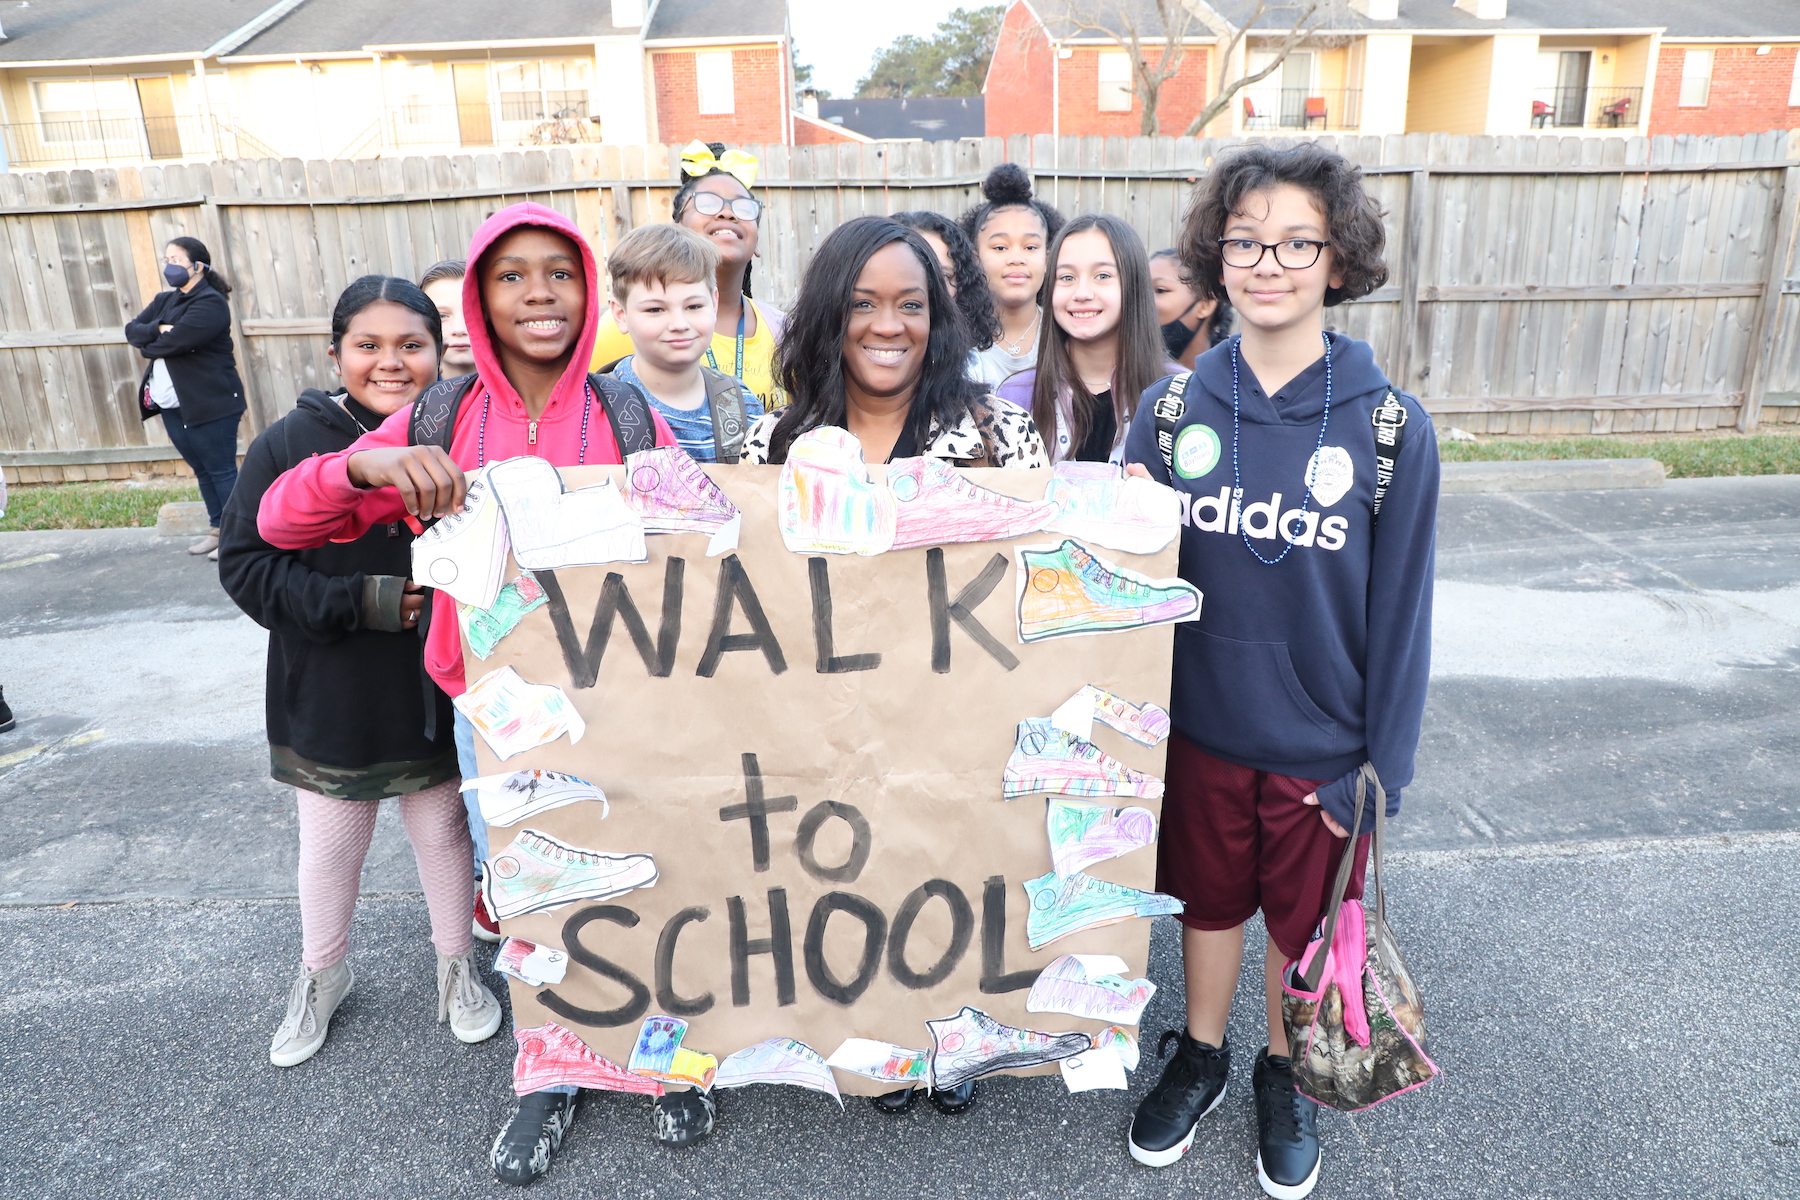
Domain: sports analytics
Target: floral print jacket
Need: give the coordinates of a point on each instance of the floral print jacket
(996, 434)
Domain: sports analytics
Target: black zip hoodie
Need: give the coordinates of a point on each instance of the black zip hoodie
(346, 687)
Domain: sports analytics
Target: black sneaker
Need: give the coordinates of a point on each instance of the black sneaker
(683, 1118)
(959, 1099)
(523, 1147)
(1191, 1086)
(6, 717)
(1287, 1131)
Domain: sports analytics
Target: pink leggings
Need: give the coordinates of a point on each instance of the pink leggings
(334, 840)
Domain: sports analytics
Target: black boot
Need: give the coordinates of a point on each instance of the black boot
(1287, 1131)
(1191, 1086)
(683, 1118)
(958, 1099)
(895, 1103)
(524, 1145)
(6, 718)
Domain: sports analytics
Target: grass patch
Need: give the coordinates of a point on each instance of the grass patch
(1685, 457)
(89, 505)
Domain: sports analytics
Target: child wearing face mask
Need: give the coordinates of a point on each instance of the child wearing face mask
(347, 699)
(1100, 349)
(665, 295)
(443, 282)
(1010, 229)
(1191, 323)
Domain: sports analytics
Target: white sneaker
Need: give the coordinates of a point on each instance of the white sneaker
(464, 1001)
(315, 996)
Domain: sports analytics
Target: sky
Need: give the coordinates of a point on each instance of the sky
(840, 46)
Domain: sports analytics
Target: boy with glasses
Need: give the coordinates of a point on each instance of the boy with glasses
(1309, 492)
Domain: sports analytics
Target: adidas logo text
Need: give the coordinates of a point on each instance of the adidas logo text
(1264, 520)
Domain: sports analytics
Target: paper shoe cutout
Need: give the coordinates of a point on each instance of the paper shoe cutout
(671, 493)
(509, 799)
(464, 554)
(827, 502)
(515, 716)
(1330, 472)
(1099, 503)
(1115, 1052)
(1048, 759)
(551, 1056)
(1083, 834)
(972, 1044)
(1089, 985)
(1118, 1039)
(935, 504)
(529, 963)
(881, 1060)
(537, 872)
(778, 1060)
(551, 528)
(1060, 907)
(1146, 723)
(1067, 589)
(660, 1055)
(484, 627)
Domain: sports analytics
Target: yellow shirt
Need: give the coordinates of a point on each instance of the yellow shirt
(612, 343)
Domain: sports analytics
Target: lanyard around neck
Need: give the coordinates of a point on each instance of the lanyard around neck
(743, 308)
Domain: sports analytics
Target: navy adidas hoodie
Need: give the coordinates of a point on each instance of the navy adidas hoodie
(1312, 666)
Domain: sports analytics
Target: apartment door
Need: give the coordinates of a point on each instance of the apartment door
(1296, 86)
(1572, 86)
(474, 117)
(156, 101)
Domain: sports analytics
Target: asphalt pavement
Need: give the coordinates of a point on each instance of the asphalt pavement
(1594, 882)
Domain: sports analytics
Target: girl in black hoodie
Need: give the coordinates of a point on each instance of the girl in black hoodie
(352, 716)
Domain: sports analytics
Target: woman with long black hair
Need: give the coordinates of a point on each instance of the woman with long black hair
(192, 380)
(875, 346)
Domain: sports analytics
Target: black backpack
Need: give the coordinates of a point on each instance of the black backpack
(725, 404)
(433, 420)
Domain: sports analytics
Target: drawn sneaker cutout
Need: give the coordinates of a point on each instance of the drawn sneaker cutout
(1146, 724)
(935, 504)
(1084, 834)
(972, 1044)
(660, 1054)
(551, 527)
(510, 798)
(1060, 907)
(1068, 589)
(1097, 502)
(672, 493)
(1089, 985)
(1048, 759)
(828, 503)
(779, 1060)
(537, 872)
(464, 553)
(551, 1056)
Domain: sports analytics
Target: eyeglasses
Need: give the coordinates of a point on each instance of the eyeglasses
(1296, 254)
(711, 204)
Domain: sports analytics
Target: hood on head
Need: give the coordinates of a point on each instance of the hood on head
(481, 339)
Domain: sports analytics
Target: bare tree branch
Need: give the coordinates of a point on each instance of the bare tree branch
(1299, 33)
(1147, 79)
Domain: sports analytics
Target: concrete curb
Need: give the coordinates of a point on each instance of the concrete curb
(182, 518)
(1553, 475)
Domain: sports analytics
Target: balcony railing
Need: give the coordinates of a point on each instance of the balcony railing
(418, 126)
(1301, 108)
(1586, 108)
(101, 141)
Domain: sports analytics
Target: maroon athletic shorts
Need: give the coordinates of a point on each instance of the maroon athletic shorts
(1235, 840)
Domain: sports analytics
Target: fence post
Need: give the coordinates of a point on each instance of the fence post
(1418, 190)
(1769, 307)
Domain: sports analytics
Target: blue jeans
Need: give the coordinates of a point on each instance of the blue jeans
(465, 762)
(211, 449)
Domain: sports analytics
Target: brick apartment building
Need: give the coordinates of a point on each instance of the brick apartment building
(1583, 67)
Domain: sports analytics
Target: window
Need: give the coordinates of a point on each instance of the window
(713, 82)
(1794, 87)
(419, 82)
(537, 91)
(1115, 81)
(1696, 78)
(85, 110)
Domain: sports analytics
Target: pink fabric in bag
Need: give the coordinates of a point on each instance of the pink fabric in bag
(1345, 959)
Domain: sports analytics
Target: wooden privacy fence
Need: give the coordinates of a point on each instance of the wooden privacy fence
(1539, 284)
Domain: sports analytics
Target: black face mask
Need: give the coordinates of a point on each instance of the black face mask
(1177, 336)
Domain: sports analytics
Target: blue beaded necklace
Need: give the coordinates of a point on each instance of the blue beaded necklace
(487, 402)
(1237, 482)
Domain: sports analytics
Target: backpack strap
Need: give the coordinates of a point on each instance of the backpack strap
(1389, 419)
(627, 411)
(433, 419)
(725, 399)
(1168, 410)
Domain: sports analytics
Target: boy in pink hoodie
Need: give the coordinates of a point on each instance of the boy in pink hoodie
(533, 297)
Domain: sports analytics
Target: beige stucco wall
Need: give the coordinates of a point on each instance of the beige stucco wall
(1447, 86)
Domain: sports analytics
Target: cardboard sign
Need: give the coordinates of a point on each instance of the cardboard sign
(811, 749)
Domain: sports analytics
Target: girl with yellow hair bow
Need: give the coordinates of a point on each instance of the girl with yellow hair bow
(716, 202)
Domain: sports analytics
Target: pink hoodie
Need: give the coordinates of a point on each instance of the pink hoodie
(316, 503)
